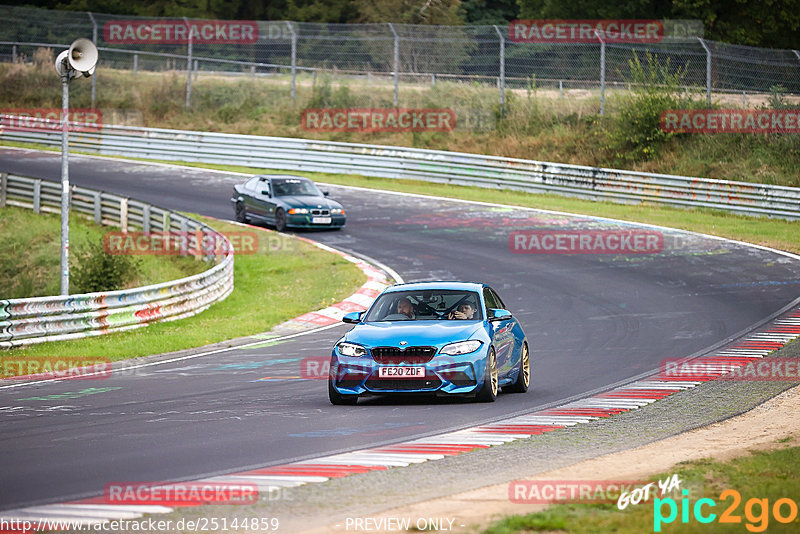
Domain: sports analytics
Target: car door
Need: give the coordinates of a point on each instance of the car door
(259, 201)
(502, 332)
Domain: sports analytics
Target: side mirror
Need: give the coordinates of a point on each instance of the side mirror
(326, 193)
(499, 314)
(265, 192)
(352, 317)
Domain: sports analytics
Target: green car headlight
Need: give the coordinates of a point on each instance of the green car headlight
(350, 349)
(298, 211)
(337, 211)
(461, 347)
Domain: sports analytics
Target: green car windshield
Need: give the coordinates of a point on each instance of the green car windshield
(284, 187)
(427, 305)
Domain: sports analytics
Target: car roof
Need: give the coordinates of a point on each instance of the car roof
(456, 285)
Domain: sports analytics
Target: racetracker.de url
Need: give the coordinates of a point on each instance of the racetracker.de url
(150, 524)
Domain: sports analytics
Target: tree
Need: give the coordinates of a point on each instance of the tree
(439, 12)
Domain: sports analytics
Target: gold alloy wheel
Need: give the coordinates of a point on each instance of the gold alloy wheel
(526, 366)
(493, 371)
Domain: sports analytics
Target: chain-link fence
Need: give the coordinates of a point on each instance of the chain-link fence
(394, 59)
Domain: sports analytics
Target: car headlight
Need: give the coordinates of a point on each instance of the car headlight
(462, 347)
(350, 349)
(297, 211)
(337, 211)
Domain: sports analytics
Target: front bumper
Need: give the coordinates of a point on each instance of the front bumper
(306, 221)
(447, 375)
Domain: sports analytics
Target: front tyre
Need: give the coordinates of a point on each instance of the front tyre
(280, 220)
(491, 379)
(337, 399)
(523, 380)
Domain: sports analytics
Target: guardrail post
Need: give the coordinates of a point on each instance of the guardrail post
(602, 73)
(123, 215)
(94, 40)
(560, 89)
(146, 219)
(501, 82)
(433, 79)
(37, 195)
(3, 189)
(98, 207)
(396, 63)
(708, 71)
(165, 222)
(196, 69)
(13, 53)
(135, 63)
(184, 237)
(294, 60)
(188, 64)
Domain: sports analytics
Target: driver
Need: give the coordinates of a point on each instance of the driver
(405, 307)
(465, 310)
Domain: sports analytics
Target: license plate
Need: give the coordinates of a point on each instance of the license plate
(401, 372)
(321, 220)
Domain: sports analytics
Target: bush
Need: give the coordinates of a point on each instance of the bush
(93, 269)
(636, 133)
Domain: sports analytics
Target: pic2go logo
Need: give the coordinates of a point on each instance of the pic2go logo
(756, 511)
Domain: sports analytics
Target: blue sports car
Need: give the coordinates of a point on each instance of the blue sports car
(445, 338)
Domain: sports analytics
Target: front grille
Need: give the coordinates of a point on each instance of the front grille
(404, 384)
(320, 212)
(397, 356)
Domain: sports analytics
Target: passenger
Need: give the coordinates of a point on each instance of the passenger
(465, 310)
(405, 307)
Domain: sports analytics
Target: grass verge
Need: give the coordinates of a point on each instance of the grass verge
(30, 257)
(285, 278)
(765, 477)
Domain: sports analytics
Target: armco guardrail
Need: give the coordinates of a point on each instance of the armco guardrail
(35, 320)
(431, 165)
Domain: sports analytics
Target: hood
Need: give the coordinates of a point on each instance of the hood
(309, 201)
(427, 333)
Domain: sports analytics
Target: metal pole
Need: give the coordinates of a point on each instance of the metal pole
(65, 178)
(294, 60)
(94, 40)
(196, 69)
(602, 73)
(188, 65)
(135, 63)
(560, 89)
(396, 63)
(744, 99)
(502, 81)
(796, 53)
(708, 72)
(14, 54)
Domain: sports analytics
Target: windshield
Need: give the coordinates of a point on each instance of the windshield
(283, 187)
(427, 305)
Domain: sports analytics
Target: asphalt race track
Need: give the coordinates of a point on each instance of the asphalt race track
(592, 320)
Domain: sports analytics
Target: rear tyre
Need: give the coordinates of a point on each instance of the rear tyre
(337, 399)
(280, 220)
(523, 380)
(241, 213)
(491, 379)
